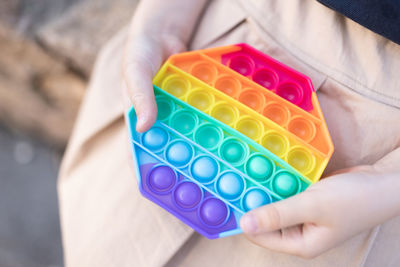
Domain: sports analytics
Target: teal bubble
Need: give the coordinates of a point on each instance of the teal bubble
(233, 151)
(259, 167)
(183, 121)
(165, 107)
(285, 184)
(204, 169)
(208, 136)
(230, 185)
(255, 198)
(155, 138)
(179, 153)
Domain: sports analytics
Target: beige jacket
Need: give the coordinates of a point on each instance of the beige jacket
(106, 222)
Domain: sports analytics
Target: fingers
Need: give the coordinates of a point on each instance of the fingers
(289, 240)
(143, 58)
(306, 241)
(279, 215)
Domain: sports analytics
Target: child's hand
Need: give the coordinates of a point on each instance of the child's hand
(327, 213)
(143, 57)
(158, 29)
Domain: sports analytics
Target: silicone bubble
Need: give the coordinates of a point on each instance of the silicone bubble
(208, 136)
(233, 151)
(155, 138)
(303, 128)
(213, 212)
(249, 127)
(176, 85)
(179, 153)
(266, 78)
(255, 198)
(252, 98)
(291, 92)
(301, 159)
(228, 85)
(204, 71)
(225, 113)
(259, 167)
(242, 64)
(187, 195)
(165, 108)
(285, 184)
(204, 169)
(200, 99)
(276, 143)
(230, 185)
(161, 179)
(183, 121)
(276, 113)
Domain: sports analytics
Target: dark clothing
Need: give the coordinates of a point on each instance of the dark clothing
(380, 16)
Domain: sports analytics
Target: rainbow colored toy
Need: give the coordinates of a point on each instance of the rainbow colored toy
(235, 130)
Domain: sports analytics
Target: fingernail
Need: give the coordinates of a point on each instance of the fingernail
(249, 223)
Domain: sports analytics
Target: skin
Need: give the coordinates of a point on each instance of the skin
(308, 224)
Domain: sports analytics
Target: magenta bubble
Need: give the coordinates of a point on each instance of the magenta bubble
(187, 195)
(162, 179)
(265, 78)
(291, 92)
(213, 212)
(242, 64)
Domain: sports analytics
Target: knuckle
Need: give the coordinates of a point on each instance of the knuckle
(309, 248)
(129, 66)
(312, 200)
(270, 218)
(138, 99)
(302, 250)
(307, 253)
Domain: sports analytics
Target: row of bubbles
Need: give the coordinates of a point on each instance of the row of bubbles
(230, 186)
(230, 149)
(185, 122)
(210, 74)
(253, 98)
(188, 196)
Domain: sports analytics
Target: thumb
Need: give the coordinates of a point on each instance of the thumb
(139, 67)
(292, 211)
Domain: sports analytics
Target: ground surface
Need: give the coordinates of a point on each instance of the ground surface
(47, 51)
(29, 222)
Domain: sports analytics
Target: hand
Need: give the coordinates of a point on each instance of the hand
(154, 35)
(326, 214)
(143, 57)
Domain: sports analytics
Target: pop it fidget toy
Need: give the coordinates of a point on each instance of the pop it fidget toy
(235, 130)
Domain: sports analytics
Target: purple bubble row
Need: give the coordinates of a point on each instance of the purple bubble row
(188, 196)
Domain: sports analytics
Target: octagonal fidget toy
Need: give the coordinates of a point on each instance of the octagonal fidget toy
(235, 130)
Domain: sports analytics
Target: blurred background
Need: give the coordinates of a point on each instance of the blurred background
(47, 51)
